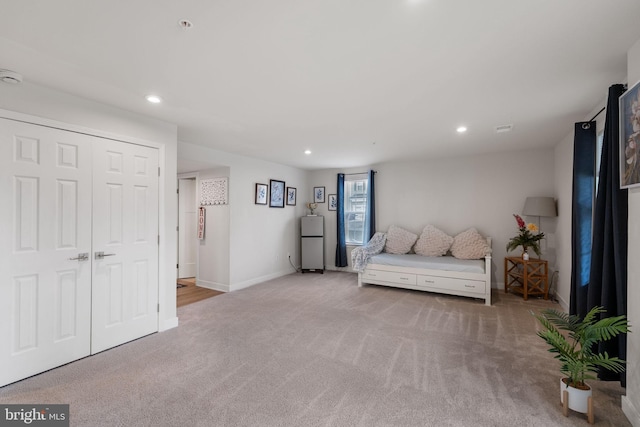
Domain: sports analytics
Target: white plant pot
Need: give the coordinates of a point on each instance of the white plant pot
(578, 399)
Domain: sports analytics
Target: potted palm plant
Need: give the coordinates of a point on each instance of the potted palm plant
(574, 341)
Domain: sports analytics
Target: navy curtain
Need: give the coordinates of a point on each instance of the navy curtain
(584, 178)
(608, 278)
(341, 247)
(370, 215)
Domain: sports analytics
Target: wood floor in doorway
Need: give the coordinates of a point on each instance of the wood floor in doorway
(190, 293)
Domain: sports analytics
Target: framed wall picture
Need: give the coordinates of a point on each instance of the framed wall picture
(291, 196)
(318, 194)
(333, 202)
(261, 194)
(276, 199)
(630, 137)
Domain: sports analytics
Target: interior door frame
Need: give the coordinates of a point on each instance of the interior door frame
(186, 175)
(164, 292)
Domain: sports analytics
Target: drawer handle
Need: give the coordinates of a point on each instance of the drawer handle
(430, 281)
(469, 286)
(372, 275)
(404, 278)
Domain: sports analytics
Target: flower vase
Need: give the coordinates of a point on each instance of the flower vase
(525, 254)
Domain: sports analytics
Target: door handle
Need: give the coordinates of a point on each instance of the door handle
(84, 256)
(101, 255)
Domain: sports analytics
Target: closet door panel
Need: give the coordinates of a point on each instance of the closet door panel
(125, 231)
(45, 223)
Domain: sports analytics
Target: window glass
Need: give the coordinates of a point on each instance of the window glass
(355, 208)
(599, 140)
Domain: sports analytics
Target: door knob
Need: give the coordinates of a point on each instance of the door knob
(101, 255)
(84, 256)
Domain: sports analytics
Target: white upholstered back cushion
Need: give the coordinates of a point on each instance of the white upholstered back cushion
(470, 245)
(433, 242)
(399, 240)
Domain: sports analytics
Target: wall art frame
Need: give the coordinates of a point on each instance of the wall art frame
(291, 196)
(277, 193)
(318, 194)
(629, 103)
(333, 202)
(262, 191)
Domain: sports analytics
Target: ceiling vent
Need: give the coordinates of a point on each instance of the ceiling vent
(11, 77)
(185, 24)
(504, 128)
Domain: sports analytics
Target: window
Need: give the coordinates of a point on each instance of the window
(599, 141)
(355, 208)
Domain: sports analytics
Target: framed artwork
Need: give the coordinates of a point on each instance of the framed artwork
(318, 194)
(277, 194)
(333, 202)
(261, 194)
(291, 196)
(630, 137)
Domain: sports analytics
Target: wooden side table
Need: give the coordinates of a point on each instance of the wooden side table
(529, 277)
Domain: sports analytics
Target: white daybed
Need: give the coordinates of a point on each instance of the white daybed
(446, 275)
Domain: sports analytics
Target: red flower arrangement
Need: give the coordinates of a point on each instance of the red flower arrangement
(526, 238)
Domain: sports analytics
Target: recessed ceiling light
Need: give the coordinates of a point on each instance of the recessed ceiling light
(11, 77)
(154, 99)
(461, 129)
(307, 152)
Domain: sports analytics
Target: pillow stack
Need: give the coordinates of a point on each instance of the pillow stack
(434, 242)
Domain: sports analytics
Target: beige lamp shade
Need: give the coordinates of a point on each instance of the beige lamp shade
(540, 206)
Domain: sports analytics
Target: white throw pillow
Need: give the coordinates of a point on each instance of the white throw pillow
(399, 240)
(470, 245)
(433, 242)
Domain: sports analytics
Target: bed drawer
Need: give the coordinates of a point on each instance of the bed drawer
(466, 285)
(389, 276)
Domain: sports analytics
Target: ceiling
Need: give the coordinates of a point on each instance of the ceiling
(357, 82)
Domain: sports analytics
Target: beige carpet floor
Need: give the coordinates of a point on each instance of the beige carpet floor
(316, 350)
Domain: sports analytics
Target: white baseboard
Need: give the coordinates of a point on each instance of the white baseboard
(564, 304)
(632, 413)
(247, 283)
(347, 269)
(212, 285)
(167, 324)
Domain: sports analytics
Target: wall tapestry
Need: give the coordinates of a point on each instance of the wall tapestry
(214, 191)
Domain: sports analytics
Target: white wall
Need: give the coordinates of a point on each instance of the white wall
(213, 250)
(260, 237)
(564, 189)
(454, 194)
(631, 402)
(108, 121)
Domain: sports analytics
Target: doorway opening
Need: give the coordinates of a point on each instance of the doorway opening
(188, 292)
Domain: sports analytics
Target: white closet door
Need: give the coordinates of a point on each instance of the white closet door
(125, 229)
(45, 223)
